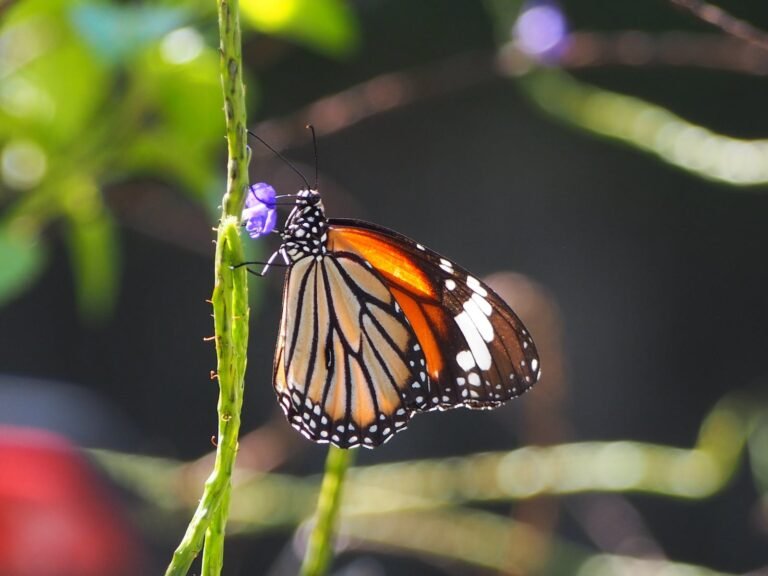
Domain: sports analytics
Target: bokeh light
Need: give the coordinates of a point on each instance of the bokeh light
(182, 46)
(541, 29)
(23, 164)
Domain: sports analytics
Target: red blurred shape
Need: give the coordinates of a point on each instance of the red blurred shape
(56, 516)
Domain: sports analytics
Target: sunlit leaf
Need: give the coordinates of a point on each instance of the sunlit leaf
(116, 32)
(185, 102)
(38, 93)
(187, 95)
(22, 260)
(325, 25)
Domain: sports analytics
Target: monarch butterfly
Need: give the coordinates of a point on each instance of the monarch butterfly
(376, 328)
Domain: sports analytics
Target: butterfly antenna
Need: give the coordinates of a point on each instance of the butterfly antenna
(283, 158)
(314, 145)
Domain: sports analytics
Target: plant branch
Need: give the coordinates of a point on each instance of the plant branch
(586, 49)
(726, 22)
(230, 312)
(649, 127)
(320, 546)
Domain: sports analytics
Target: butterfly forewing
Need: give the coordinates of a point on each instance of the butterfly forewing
(478, 353)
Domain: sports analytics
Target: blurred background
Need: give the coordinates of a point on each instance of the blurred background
(603, 165)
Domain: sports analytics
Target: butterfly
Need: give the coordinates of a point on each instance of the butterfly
(377, 328)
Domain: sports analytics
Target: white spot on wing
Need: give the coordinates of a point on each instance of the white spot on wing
(465, 360)
(450, 284)
(474, 379)
(474, 283)
(534, 364)
(479, 320)
(475, 340)
(482, 303)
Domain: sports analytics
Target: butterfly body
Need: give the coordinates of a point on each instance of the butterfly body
(377, 328)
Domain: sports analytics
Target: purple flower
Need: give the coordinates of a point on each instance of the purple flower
(541, 29)
(260, 213)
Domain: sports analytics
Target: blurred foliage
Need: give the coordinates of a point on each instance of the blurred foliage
(650, 128)
(327, 26)
(426, 506)
(93, 94)
(97, 93)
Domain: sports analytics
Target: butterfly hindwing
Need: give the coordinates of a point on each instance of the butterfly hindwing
(348, 367)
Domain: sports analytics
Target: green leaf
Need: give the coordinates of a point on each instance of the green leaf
(327, 26)
(22, 259)
(38, 94)
(93, 250)
(184, 99)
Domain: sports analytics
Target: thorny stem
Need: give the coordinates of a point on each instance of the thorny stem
(230, 312)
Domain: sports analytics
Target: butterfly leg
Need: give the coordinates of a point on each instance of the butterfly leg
(266, 265)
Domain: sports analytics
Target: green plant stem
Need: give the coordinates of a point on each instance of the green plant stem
(649, 127)
(214, 537)
(230, 313)
(320, 547)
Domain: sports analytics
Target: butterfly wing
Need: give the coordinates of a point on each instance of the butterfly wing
(478, 353)
(348, 367)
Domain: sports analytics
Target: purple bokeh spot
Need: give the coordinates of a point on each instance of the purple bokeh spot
(260, 212)
(541, 30)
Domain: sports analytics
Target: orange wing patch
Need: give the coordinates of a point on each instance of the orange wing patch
(424, 333)
(388, 260)
(408, 284)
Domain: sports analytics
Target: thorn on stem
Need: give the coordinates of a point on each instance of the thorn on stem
(214, 441)
(209, 338)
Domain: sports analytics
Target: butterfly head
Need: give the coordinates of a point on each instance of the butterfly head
(306, 230)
